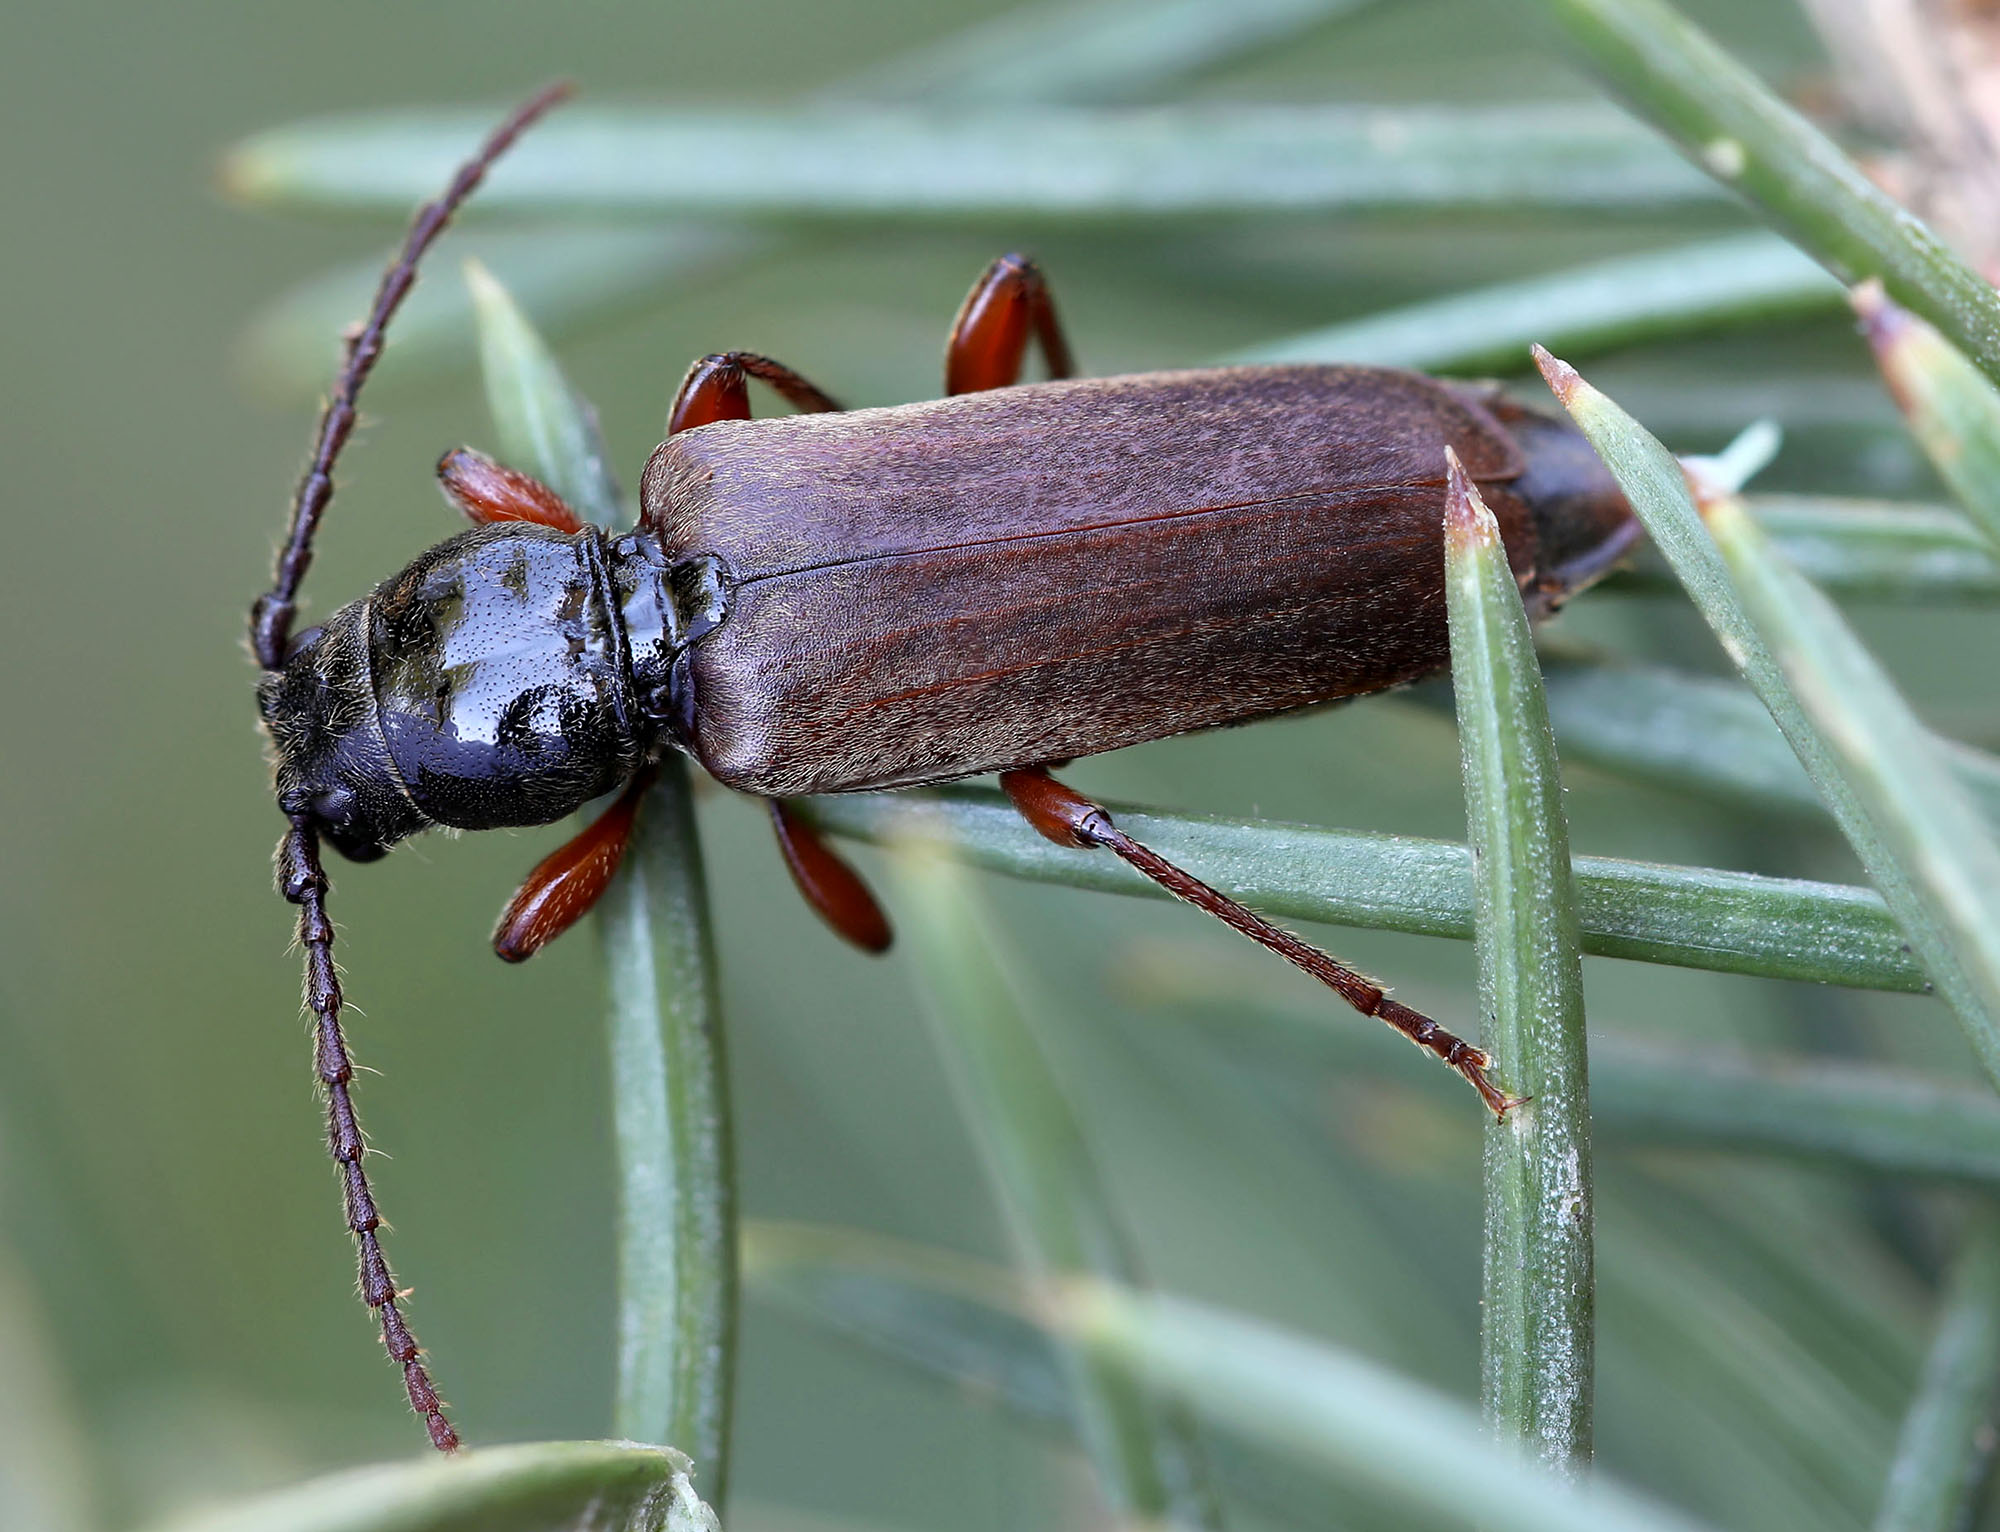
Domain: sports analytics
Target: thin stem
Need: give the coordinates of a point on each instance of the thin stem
(1859, 1116)
(677, 1291)
(950, 165)
(1882, 548)
(1700, 734)
(1348, 1416)
(1089, 50)
(1736, 280)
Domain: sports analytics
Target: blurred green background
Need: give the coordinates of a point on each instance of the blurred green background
(170, 1240)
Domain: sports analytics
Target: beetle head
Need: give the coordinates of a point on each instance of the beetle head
(332, 760)
(489, 683)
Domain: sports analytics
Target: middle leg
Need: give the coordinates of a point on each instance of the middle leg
(717, 388)
(1007, 306)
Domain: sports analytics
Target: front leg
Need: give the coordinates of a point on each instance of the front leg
(487, 491)
(565, 885)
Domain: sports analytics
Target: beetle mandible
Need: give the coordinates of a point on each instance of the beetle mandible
(997, 581)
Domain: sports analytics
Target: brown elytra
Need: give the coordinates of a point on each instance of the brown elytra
(1038, 573)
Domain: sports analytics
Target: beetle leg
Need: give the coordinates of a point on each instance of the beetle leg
(1070, 819)
(570, 879)
(989, 339)
(830, 885)
(716, 388)
(488, 491)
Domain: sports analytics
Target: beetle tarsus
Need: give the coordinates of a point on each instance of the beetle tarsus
(1460, 1055)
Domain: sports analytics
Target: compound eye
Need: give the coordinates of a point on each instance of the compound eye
(302, 642)
(337, 811)
(334, 807)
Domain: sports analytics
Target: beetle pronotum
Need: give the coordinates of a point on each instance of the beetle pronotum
(997, 581)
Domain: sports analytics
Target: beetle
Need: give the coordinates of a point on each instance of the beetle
(833, 601)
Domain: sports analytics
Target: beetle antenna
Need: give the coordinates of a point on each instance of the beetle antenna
(271, 617)
(301, 878)
(302, 881)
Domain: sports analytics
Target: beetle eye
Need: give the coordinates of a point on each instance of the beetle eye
(338, 811)
(302, 642)
(334, 807)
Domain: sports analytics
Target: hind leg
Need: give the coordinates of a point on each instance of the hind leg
(1070, 819)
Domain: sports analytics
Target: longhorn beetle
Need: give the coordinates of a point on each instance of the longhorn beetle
(997, 581)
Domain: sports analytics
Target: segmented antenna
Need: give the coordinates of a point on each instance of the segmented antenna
(301, 878)
(271, 617)
(303, 882)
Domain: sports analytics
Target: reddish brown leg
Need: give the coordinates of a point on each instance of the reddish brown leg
(989, 339)
(570, 879)
(716, 388)
(489, 491)
(1070, 819)
(832, 887)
